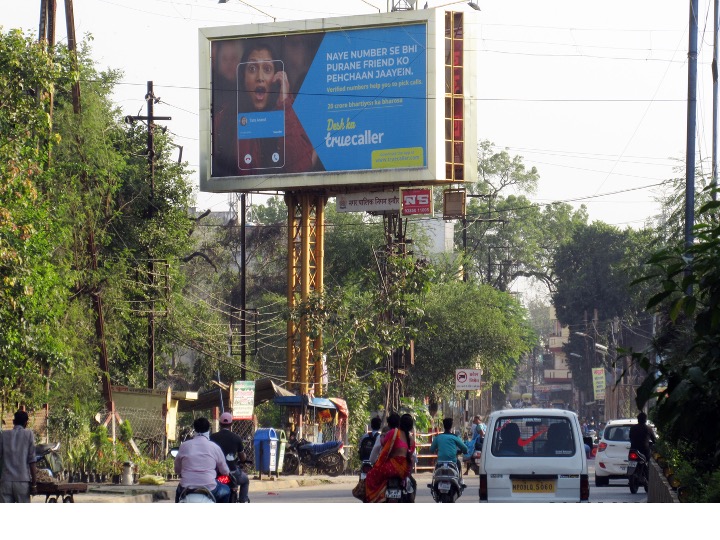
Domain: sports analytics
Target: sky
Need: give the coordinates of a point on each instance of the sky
(594, 95)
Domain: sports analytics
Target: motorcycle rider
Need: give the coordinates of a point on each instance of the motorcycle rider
(231, 445)
(475, 443)
(447, 445)
(197, 461)
(641, 436)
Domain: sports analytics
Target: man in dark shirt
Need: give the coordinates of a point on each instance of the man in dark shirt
(232, 447)
(641, 435)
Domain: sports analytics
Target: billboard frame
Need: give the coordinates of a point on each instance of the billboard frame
(343, 181)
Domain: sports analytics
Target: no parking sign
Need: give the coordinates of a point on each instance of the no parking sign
(467, 379)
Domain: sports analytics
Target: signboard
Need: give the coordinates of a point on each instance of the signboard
(416, 202)
(368, 201)
(243, 400)
(333, 102)
(467, 379)
(598, 376)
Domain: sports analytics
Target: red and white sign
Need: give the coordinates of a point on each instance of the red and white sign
(416, 202)
(467, 379)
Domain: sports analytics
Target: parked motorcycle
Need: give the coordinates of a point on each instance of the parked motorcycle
(325, 458)
(47, 458)
(637, 471)
(446, 486)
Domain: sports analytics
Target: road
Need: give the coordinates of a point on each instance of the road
(616, 492)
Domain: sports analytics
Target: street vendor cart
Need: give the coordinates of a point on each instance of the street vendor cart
(61, 492)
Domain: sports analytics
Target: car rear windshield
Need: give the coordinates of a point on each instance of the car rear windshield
(532, 436)
(617, 433)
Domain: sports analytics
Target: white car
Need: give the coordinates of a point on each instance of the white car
(611, 459)
(533, 455)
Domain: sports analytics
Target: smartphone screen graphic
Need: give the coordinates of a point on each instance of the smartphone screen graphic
(260, 118)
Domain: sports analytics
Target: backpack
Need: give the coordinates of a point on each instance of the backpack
(366, 446)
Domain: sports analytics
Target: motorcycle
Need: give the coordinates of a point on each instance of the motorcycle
(47, 458)
(232, 480)
(196, 495)
(326, 458)
(446, 486)
(400, 490)
(637, 471)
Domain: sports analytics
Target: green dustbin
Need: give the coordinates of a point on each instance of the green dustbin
(282, 444)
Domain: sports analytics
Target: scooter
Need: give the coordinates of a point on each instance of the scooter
(326, 458)
(637, 471)
(446, 486)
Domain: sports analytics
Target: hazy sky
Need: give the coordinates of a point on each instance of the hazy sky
(592, 94)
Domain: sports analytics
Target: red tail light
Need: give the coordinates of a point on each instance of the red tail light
(633, 456)
(602, 447)
(483, 487)
(223, 479)
(584, 488)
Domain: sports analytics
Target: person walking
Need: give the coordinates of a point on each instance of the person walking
(18, 480)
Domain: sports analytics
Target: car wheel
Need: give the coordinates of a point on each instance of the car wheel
(601, 481)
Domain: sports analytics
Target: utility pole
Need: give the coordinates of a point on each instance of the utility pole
(691, 124)
(150, 214)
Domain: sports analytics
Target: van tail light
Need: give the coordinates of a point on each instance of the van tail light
(633, 456)
(602, 447)
(223, 479)
(584, 488)
(483, 487)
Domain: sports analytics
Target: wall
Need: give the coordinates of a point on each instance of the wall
(659, 490)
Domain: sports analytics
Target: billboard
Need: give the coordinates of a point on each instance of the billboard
(347, 101)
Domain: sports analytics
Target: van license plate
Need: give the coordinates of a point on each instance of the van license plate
(533, 486)
(444, 486)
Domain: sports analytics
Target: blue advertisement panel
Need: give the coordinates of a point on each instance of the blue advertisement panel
(351, 100)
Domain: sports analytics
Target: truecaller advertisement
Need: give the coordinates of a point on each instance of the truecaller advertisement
(363, 101)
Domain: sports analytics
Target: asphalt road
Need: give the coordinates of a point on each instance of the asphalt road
(322, 489)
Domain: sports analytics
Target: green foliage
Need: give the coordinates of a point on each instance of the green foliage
(467, 325)
(685, 385)
(125, 431)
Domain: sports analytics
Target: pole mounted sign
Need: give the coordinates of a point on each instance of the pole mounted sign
(467, 379)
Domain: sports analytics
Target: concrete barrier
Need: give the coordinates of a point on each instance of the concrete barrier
(659, 489)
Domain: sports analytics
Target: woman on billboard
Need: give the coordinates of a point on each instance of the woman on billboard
(270, 138)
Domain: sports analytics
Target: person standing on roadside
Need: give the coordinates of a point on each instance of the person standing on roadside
(17, 458)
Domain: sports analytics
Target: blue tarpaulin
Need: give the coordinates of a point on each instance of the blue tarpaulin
(297, 401)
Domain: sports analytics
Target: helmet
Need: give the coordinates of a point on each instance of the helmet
(226, 419)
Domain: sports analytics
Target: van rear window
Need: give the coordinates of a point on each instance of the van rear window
(525, 436)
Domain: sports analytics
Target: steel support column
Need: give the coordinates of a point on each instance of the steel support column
(306, 214)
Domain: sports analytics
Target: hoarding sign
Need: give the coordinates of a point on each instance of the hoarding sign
(417, 202)
(322, 101)
(368, 201)
(468, 379)
(598, 375)
(243, 400)
(336, 102)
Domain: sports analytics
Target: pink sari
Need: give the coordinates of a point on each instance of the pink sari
(385, 467)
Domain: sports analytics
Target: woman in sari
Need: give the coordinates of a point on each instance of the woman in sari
(394, 460)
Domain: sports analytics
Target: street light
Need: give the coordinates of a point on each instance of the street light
(471, 4)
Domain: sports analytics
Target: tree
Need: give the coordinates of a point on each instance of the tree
(467, 325)
(508, 237)
(33, 290)
(683, 366)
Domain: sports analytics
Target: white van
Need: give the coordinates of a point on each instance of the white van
(533, 455)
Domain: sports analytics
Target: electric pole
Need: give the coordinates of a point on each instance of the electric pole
(150, 214)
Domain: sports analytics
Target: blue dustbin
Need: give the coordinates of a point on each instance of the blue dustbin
(265, 444)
